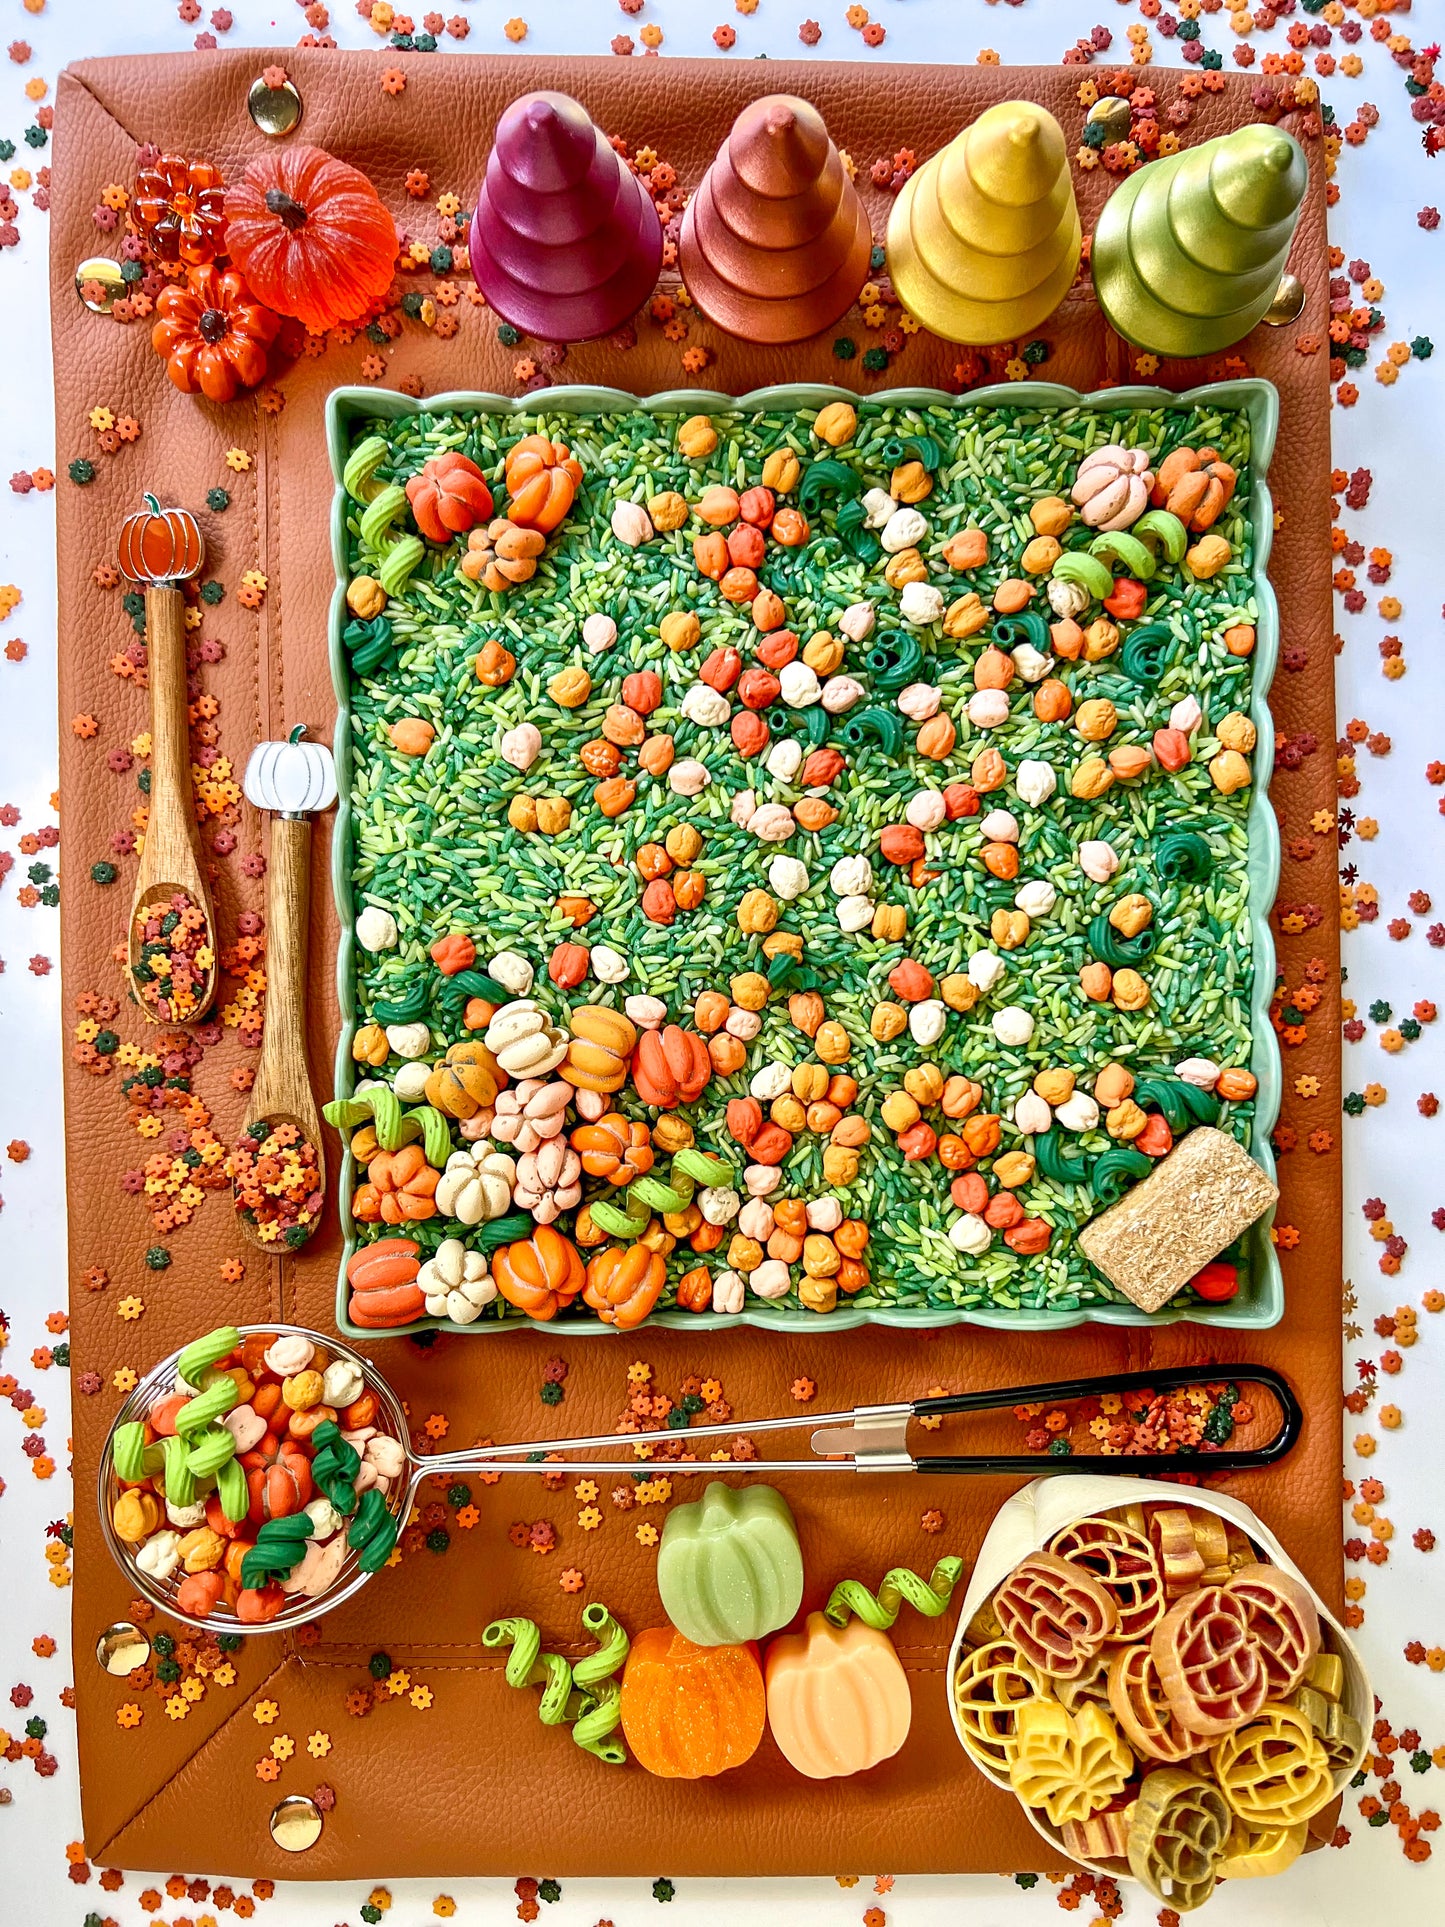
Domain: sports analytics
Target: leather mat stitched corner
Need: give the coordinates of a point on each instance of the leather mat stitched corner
(182, 1793)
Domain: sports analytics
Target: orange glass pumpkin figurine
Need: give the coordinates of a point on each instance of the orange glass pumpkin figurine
(179, 206)
(624, 1282)
(540, 1275)
(838, 1698)
(311, 235)
(690, 1712)
(213, 334)
(543, 478)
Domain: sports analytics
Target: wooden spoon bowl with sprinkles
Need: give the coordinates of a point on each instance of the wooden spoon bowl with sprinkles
(277, 1165)
(171, 961)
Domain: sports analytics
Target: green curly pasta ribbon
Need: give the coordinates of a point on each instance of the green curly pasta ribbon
(899, 1587)
(454, 993)
(1158, 526)
(202, 1353)
(180, 1481)
(1114, 1170)
(1183, 1104)
(586, 1695)
(504, 1231)
(621, 1218)
(381, 511)
(381, 1106)
(1145, 654)
(1059, 1163)
(358, 477)
(702, 1166)
(1182, 857)
(827, 477)
(599, 1719)
(210, 1448)
(1117, 951)
(231, 1487)
(1117, 549)
(528, 1665)
(372, 1533)
(612, 1650)
(879, 726)
(406, 1009)
(208, 1406)
(1085, 569)
(1013, 632)
(130, 1457)
(893, 662)
(851, 526)
(280, 1547)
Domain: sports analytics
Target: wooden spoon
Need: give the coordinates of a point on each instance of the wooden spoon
(159, 549)
(302, 777)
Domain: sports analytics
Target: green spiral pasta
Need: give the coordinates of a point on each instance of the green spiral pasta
(528, 1665)
(611, 1652)
(929, 1596)
(596, 1723)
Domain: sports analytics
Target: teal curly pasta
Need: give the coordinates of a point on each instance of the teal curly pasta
(899, 1587)
(1115, 1170)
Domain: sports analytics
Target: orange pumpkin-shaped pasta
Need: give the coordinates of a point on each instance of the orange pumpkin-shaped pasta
(384, 1291)
(281, 1483)
(540, 1275)
(690, 1712)
(542, 479)
(466, 1081)
(624, 1282)
(602, 1042)
(615, 1147)
(670, 1067)
(838, 1699)
(399, 1189)
(449, 496)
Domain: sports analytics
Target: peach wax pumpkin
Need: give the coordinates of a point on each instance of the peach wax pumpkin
(838, 1699)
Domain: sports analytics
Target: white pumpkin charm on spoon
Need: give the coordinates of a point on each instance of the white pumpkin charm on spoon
(291, 778)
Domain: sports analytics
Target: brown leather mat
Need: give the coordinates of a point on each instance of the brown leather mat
(475, 1784)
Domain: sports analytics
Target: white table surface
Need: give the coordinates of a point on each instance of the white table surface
(1391, 1152)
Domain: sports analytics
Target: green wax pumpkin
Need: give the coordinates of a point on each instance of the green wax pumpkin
(729, 1569)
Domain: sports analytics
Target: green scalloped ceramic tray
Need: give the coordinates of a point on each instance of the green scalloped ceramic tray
(1260, 1301)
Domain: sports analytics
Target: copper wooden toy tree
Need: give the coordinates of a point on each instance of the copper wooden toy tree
(775, 242)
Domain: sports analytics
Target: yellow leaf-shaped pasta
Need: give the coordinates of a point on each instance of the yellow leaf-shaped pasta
(1069, 1764)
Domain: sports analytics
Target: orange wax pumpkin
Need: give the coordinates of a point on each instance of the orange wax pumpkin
(690, 1712)
(838, 1699)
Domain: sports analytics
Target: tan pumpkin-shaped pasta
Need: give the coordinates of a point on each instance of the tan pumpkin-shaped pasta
(1273, 1771)
(1141, 1706)
(1210, 1667)
(1057, 1614)
(1125, 1565)
(991, 1684)
(1177, 1840)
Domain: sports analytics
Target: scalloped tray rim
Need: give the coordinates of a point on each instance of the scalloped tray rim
(1258, 400)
